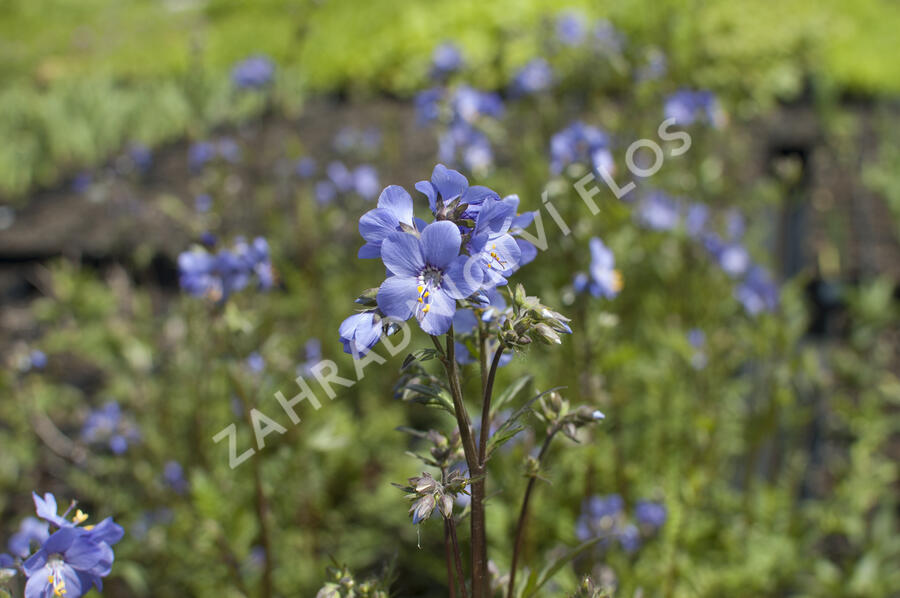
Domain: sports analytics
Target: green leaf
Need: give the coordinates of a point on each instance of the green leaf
(514, 424)
(428, 395)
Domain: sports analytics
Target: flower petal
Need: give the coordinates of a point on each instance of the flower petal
(402, 254)
(439, 317)
(463, 277)
(441, 241)
(397, 201)
(449, 183)
(397, 297)
(377, 224)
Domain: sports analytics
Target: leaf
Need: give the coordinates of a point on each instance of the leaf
(535, 583)
(510, 392)
(428, 395)
(421, 355)
(513, 425)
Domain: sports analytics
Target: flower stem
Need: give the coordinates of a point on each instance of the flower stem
(451, 525)
(448, 554)
(523, 514)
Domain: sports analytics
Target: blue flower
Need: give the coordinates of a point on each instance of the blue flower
(360, 332)
(365, 181)
(527, 250)
(217, 276)
(491, 245)
(629, 538)
(469, 104)
(253, 72)
(650, 514)
(256, 363)
(108, 425)
(200, 154)
(325, 192)
(580, 143)
(687, 107)
(429, 275)
(757, 293)
(603, 279)
(31, 530)
(37, 359)
(658, 211)
(695, 219)
(173, 474)
(141, 156)
(445, 60)
(570, 28)
(534, 77)
(655, 68)
(447, 185)
(428, 105)
(395, 210)
(305, 167)
(71, 561)
(462, 143)
(600, 516)
(202, 203)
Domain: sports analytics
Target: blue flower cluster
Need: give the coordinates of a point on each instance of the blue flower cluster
(216, 276)
(202, 153)
(604, 517)
(756, 289)
(580, 143)
(469, 249)
(59, 557)
(362, 180)
(108, 425)
(688, 106)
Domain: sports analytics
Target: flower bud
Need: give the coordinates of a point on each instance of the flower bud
(446, 506)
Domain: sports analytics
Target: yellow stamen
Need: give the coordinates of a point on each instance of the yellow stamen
(420, 288)
(425, 309)
(79, 517)
(419, 300)
(425, 294)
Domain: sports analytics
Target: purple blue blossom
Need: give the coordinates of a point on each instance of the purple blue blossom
(394, 211)
(534, 77)
(253, 72)
(429, 275)
(758, 292)
(360, 332)
(216, 276)
(447, 185)
(688, 106)
(580, 143)
(31, 531)
(445, 60)
(108, 425)
(602, 280)
(570, 28)
(657, 211)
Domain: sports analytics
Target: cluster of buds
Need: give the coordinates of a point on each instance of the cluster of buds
(557, 414)
(368, 300)
(445, 451)
(428, 494)
(530, 321)
(342, 584)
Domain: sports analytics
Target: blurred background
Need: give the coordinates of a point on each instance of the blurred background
(748, 369)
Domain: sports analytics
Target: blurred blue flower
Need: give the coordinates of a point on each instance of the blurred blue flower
(173, 475)
(758, 292)
(31, 531)
(657, 211)
(650, 514)
(608, 38)
(200, 154)
(141, 156)
(534, 77)
(602, 280)
(570, 28)
(313, 355)
(629, 538)
(202, 203)
(305, 167)
(365, 181)
(695, 219)
(110, 426)
(217, 276)
(428, 105)
(733, 258)
(325, 192)
(445, 60)
(600, 516)
(256, 363)
(580, 143)
(655, 68)
(37, 360)
(253, 72)
(228, 149)
(82, 182)
(429, 275)
(687, 107)
(462, 143)
(469, 104)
